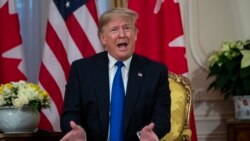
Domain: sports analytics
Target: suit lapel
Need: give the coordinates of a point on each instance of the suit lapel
(102, 90)
(135, 80)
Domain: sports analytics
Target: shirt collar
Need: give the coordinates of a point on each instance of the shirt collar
(112, 61)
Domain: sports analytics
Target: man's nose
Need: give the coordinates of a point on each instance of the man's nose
(121, 32)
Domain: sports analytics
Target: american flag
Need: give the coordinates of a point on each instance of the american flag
(12, 66)
(71, 34)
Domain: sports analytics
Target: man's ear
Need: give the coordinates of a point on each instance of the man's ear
(136, 33)
(103, 39)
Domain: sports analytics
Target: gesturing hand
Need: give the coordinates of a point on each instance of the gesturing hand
(147, 133)
(76, 134)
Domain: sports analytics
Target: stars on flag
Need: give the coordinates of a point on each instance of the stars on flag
(67, 4)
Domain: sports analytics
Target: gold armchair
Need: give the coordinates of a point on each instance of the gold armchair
(181, 92)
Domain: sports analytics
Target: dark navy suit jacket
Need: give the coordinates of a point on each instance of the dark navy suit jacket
(87, 99)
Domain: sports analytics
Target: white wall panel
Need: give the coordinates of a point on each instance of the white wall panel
(207, 23)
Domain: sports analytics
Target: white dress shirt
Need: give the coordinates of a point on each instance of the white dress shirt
(112, 71)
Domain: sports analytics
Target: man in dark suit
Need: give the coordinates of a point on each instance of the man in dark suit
(86, 111)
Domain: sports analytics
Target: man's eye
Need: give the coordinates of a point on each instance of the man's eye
(113, 30)
(127, 28)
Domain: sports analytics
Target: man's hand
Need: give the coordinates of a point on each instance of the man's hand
(147, 133)
(76, 134)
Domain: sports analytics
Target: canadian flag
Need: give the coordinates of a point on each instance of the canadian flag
(12, 66)
(160, 36)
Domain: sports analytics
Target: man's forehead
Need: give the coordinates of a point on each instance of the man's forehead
(118, 24)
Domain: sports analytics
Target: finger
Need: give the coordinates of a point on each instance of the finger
(73, 124)
(149, 127)
(66, 137)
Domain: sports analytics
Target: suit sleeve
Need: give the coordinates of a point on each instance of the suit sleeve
(161, 115)
(72, 105)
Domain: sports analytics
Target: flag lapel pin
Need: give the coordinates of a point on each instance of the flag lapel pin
(139, 74)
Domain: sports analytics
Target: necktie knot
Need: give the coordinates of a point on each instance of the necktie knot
(119, 64)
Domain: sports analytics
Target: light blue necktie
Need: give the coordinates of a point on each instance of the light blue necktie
(117, 106)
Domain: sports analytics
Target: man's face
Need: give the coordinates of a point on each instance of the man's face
(119, 38)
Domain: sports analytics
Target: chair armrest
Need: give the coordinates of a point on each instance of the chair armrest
(186, 135)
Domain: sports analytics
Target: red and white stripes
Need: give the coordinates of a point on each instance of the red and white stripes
(66, 40)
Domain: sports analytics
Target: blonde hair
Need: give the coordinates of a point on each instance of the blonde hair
(107, 16)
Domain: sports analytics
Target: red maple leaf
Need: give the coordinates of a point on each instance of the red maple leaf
(9, 38)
